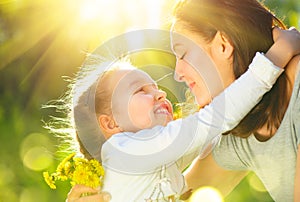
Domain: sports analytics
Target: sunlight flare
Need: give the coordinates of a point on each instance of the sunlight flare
(206, 194)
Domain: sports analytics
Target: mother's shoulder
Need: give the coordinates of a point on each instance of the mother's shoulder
(293, 68)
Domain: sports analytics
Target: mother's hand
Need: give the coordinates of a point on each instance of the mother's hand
(77, 193)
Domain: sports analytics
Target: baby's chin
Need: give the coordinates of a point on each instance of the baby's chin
(158, 122)
(164, 121)
(168, 120)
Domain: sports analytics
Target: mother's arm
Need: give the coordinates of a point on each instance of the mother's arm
(206, 172)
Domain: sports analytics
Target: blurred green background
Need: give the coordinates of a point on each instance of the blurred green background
(41, 41)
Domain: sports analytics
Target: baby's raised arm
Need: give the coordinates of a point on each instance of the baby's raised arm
(286, 45)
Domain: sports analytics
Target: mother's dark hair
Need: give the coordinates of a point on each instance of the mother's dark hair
(248, 26)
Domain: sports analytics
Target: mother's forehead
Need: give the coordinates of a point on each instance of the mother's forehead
(183, 36)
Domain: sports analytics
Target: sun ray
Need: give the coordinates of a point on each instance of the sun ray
(29, 32)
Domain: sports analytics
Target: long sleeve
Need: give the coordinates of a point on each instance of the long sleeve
(148, 149)
(227, 109)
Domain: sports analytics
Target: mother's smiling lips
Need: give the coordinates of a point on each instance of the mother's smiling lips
(191, 85)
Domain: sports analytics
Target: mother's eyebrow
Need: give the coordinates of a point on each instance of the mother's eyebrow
(176, 45)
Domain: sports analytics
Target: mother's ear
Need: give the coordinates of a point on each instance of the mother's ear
(108, 125)
(221, 46)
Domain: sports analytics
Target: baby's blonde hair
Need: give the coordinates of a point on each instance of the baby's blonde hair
(92, 102)
(86, 99)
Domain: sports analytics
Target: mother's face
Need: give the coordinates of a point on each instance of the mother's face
(201, 65)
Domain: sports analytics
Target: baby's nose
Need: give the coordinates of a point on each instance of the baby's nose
(160, 95)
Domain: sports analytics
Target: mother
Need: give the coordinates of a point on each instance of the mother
(267, 140)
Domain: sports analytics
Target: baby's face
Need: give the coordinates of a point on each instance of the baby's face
(137, 103)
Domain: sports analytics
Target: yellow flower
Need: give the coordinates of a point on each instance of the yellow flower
(80, 176)
(78, 171)
(97, 166)
(65, 168)
(49, 180)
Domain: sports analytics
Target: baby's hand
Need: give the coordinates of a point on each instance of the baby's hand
(81, 193)
(286, 45)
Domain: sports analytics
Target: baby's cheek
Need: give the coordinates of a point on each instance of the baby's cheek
(140, 118)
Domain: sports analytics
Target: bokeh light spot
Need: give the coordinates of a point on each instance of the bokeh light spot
(36, 139)
(31, 194)
(206, 194)
(37, 158)
(256, 184)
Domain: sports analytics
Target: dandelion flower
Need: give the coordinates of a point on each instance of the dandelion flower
(78, 171)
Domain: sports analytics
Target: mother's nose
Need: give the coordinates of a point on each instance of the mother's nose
(178, 77)
(179, 70)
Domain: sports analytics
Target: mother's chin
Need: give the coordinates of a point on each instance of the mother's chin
(202, 97)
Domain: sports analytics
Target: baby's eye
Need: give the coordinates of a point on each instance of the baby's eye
(179, 51)
(139, 90)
